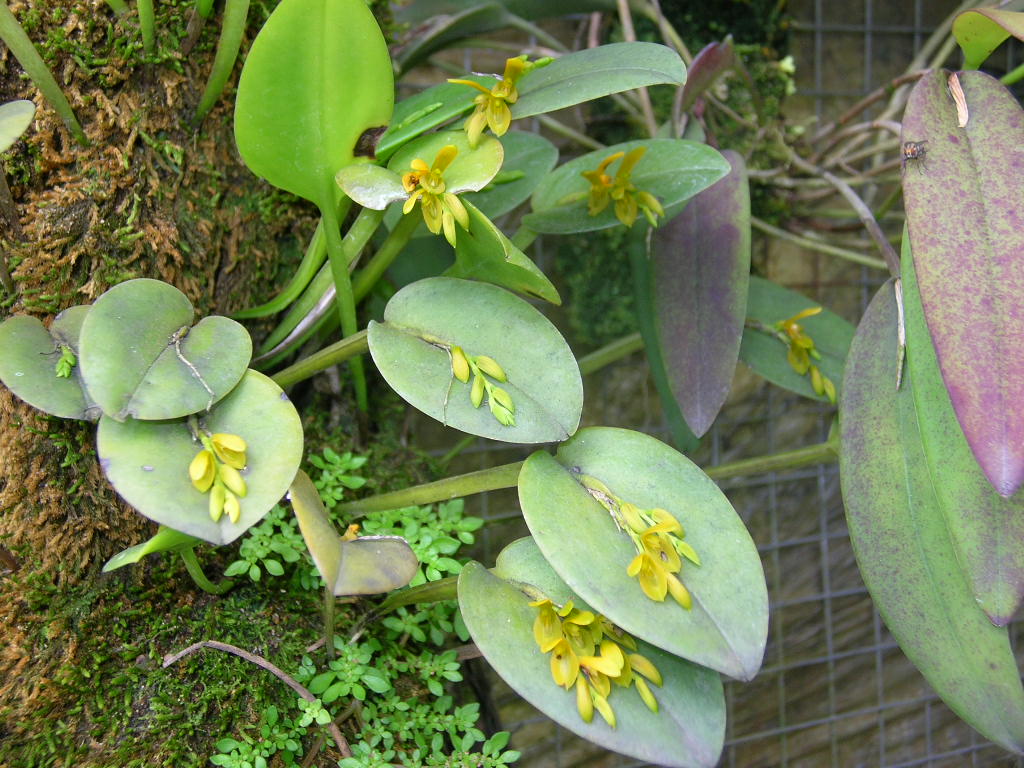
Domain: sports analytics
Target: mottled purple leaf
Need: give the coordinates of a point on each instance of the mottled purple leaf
(980, 31)
(964, 200)
(713, 60)
(701, 269)
(902, 547)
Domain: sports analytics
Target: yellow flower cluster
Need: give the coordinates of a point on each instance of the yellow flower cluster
(215, 470)
(802, 351)
(480, 367)
(629, 201)
(492, 105)
(587, 652)
(425, 183)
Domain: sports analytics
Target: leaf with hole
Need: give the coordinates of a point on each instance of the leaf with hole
(423, 320)
(727, 627)
(141, 357)
(147, 462)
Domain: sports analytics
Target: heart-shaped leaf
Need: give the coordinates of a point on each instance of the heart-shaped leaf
(164, 540)
(15, 118)
(673, 170)
(687, 730)
(980, 31)
(484, 253)
(529, 157)
(367, 565)
(424, 320)
(29, 358)
(148, 462)
(769, 303)
(700, 270)
(140, 358)
(902, 546)
(318, 75)
(986, 529)
(963, 202)
(727, 626)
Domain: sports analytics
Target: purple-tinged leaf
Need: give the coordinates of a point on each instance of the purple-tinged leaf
(986, 529)
(980, 31)
(701, 270)
(713, 60)
(903, 548)
(964, 200)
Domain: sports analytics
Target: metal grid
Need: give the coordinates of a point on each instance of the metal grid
(834, 690)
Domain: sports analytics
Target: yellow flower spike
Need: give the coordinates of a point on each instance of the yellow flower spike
(679, 593)
(659, 546)
(600, 184)
(547, 628)
(492, 104)
(631, 514)
(202, 470)
(643, 666)
(651, 575)
(565, 666)
(229, 448)
(476, 394)
(233, 480)
(645, 694)
(602, 706)
(584, 704)
(490, 366)
(216, 502)
(232, 507)
(460, 365)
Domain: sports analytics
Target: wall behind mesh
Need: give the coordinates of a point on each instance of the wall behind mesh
(835, 690)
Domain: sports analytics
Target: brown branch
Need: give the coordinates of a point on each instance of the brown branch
(876, 95)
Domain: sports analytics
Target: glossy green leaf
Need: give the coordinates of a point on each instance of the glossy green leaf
(417, 12)
(903, 548)
(484, 253)
(370, 185)
(421, 258)
(367, 565)
(409, 349)
(438, 31)
(164, 540)
(15, 118)
(986, 529)
(147, 461)
(318, 75)
(673, 170)
(727, 627)
(980, 31)
(29, 354)
(689, 727)
(963, 202)
(700, 272)
(140, 354)
(768, 303)
(596, 72)
(529, 157)
(471, 170)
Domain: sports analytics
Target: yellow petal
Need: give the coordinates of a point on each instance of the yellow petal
(216, 503)
(444, 158)
(232, 507)
(411, 202)
(229, 448)
(233, 480)
(202, 471)
(420, 165)
(608, 161)
(643, 666)
(475, 126)
(448, 224)
(645, 694)
(476, 394)
(547, 629)
(817, 382)
(490, 366)
(564, 665)
(499, 116)
(584, 703)
(809, 312)
(679, 593)
(514, 69)
(458, 210)
(504, 399)
(432, 211)
(631, 514)
(684, 549)
(470, 83)
(830, 389)
(626, 210)
(460, 365)
(602, 705)
(629, 162)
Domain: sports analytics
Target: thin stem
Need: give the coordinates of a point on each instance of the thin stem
(523, 237)
(205, 7)
(277, 672)
(816, 245)
(329, 623)
(430, 592)
(456, 449)
(609, 353)
(1013, 75)
(147, 22)
(231, 31)
(382, 259)
(118, 6)
(27, 55)
(532, 29)
(570, 133)
(334, 354)
(653, 12)
(195, 570)
(819, 453)
(877, 95)
(626, 20)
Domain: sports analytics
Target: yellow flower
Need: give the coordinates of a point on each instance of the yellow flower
(565, 665)
(425, 183)
(600, 185)
(651, 575)
(547, 628)
(802, 350)
(584, 703)
(659, 546)
(202, 470)
(492, 108)
(229, 448)
(629, 201)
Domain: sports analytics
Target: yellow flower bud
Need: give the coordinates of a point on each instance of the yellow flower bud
(233, 480)
(680, 593)
(460, 365)
(564, 664)
(217, 496)
(503, 398)
(229, 448)
(584, 703)
(643, 666)
(202, 471)
(476, 394)
(490, 366)
(684, 549)
(631, 514)
(602, 705)
(232, 507)
(645, 694)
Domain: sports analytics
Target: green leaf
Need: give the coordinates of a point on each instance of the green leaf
(902, 546)
(446, 28)
(15, 118)
(318, 75)
(980, 31)
(164, 540)
(367, 565)
(768, 303)
(673, 170)
(986, 529)
(29, 354)
(595, 72)
(963, 203)
(423, 319)
(140, 358)
(147, 461)
(471, 170)
(688, 729)
(484, 253)
(370, 185)
(528, 154)
(727, 627)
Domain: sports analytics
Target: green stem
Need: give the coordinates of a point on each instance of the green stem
(524, 237)
(329, 623)
(609, 353)
(118, 6)
(14, 36)
(570, 133)
(814, 245)
(430, 592)
(205, 7)
(1012, 76)
(385, 255)
(459, 447)
(232, 28)
(336, 353)
(819, 453)
(147, 22)
(195, 570)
